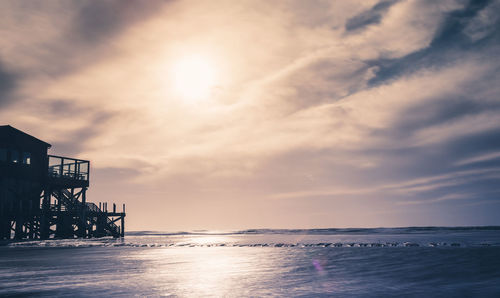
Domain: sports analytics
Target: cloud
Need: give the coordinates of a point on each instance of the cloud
(369, 17)
(483, 24)
(447, 197)
(321, 108)
(74, 141)
(444, 47)
(55, 39)
(95, 22)
(478, 158)
(7, 85)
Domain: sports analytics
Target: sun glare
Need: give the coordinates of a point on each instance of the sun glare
(194, 77)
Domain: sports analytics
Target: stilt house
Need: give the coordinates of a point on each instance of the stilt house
(44, 196)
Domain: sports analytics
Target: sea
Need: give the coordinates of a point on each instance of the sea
(381, 262)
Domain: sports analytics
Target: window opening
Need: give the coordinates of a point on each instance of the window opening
(26, 158)
(14, 156)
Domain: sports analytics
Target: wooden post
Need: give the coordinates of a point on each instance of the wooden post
(2, 225)
(44, 219)
(101, 221)
(4, 222)
(114, 208)
(31, 220)
(62, 168)
(83, 216)
(60, 220)
(18, 232)
(122, 226)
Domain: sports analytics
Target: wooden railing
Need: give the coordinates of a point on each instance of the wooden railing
(68, 168)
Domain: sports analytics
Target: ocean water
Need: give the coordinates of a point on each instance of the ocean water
(401, 262)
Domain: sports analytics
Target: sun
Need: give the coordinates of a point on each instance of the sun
(194, 77)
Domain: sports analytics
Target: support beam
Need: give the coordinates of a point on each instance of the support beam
(83, 216)
(122, 225)
(44, 220)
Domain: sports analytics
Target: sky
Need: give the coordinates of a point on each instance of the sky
(228, 115)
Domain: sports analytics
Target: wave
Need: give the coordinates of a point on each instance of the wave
(324, 231)
(115, 243)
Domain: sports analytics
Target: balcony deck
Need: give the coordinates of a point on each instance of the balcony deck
(66, 171)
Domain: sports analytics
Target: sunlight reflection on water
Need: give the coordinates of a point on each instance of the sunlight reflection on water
(218, 271)
(258, 265)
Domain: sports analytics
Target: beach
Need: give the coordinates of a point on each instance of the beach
(255, 263)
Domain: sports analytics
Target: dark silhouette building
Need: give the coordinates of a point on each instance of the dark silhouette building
(44, 196)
